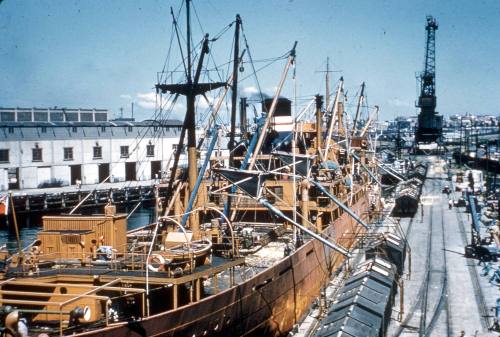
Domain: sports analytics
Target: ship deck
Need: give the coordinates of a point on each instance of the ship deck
(107, 274)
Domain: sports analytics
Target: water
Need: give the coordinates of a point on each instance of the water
(31, 224)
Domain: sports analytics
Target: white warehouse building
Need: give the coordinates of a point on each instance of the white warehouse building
(59, 147)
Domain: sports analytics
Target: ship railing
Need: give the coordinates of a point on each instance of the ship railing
(62, 311)
(87, 261)
(90, 292)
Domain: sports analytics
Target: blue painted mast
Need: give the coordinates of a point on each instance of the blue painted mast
(244, 164)
(475, 224)
(201, 173)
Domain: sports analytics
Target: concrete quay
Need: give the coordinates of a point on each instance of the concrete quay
(445, 293)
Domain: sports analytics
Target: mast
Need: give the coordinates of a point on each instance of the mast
(243, 115)
(234, 91)
(360, 102)
(190, 89)
(234, 97)
(304, 201)
(319, 122)
(188, 33)
(260, 135)
(270, 113)
(14, 218)
(340, 113)
(333, 117)
(191, 124)
(327, 86)
(327, 83)
(369, 122)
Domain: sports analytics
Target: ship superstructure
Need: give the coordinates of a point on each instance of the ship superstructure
(237, 249)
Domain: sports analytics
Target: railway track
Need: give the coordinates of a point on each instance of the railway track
(434, 268)
(425, 285)
(442, 304)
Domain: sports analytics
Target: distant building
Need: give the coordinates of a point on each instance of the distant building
(58, 147)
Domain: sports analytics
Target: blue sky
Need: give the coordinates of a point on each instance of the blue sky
(106, 54)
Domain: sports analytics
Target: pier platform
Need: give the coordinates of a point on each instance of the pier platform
(445, 293)
(66, 197)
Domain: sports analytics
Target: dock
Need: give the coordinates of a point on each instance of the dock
(441, 292)
(64, 198)
(446, 292)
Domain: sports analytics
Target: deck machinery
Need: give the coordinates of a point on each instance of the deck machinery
(429, 128)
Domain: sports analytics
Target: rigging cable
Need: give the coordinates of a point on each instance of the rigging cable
(251, 62)
(167, 58)
(178, 40)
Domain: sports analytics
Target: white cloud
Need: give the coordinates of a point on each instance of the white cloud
(250, 90)
(146, 100)
(148, 96)
(400, 103)
(125, 96)
(147, 105)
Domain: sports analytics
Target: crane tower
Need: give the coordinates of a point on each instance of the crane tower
(430, 124)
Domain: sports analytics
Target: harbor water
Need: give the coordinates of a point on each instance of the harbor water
(29, 225)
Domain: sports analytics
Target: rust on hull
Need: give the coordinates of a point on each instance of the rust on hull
(269, 303)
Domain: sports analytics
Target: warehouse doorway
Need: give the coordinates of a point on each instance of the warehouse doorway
(104, 173)
(76, 174)
(130, 171)
(13, 178)
(155, 169)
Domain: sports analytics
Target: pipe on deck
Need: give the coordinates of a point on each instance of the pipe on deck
(370, 173)
(276, 211)
(339, 203)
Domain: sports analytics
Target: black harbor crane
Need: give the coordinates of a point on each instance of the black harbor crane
(430, 124)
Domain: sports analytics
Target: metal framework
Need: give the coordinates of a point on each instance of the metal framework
(429, 123)
(428, 75)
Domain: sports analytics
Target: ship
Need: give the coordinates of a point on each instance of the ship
(242, 245)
